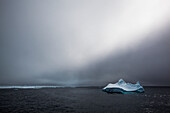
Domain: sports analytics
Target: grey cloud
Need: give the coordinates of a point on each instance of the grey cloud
(77, 42)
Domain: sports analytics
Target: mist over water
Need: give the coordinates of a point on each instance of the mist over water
(84, 42)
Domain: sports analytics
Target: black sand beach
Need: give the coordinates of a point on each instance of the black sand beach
(83, 100)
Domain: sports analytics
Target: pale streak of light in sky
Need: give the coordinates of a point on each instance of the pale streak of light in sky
(117, 30)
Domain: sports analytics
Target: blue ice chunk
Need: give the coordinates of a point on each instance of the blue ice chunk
(122, 87)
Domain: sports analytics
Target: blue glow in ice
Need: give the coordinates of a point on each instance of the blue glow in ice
(122, 87)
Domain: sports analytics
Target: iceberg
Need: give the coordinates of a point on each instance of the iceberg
(122, 87)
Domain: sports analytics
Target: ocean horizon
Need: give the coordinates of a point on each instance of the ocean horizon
(60, 86)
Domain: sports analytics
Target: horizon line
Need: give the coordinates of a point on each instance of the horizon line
(57, 86)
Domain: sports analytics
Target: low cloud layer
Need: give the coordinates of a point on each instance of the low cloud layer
(77, 42)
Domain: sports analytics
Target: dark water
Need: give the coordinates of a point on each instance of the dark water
(83, 100)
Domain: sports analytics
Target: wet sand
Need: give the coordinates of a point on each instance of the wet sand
(83, 100)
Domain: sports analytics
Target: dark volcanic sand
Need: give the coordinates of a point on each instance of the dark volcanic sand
(83, 100)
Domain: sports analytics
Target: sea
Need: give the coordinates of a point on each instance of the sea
(82, 100)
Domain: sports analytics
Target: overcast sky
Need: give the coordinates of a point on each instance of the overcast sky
(87, 42)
